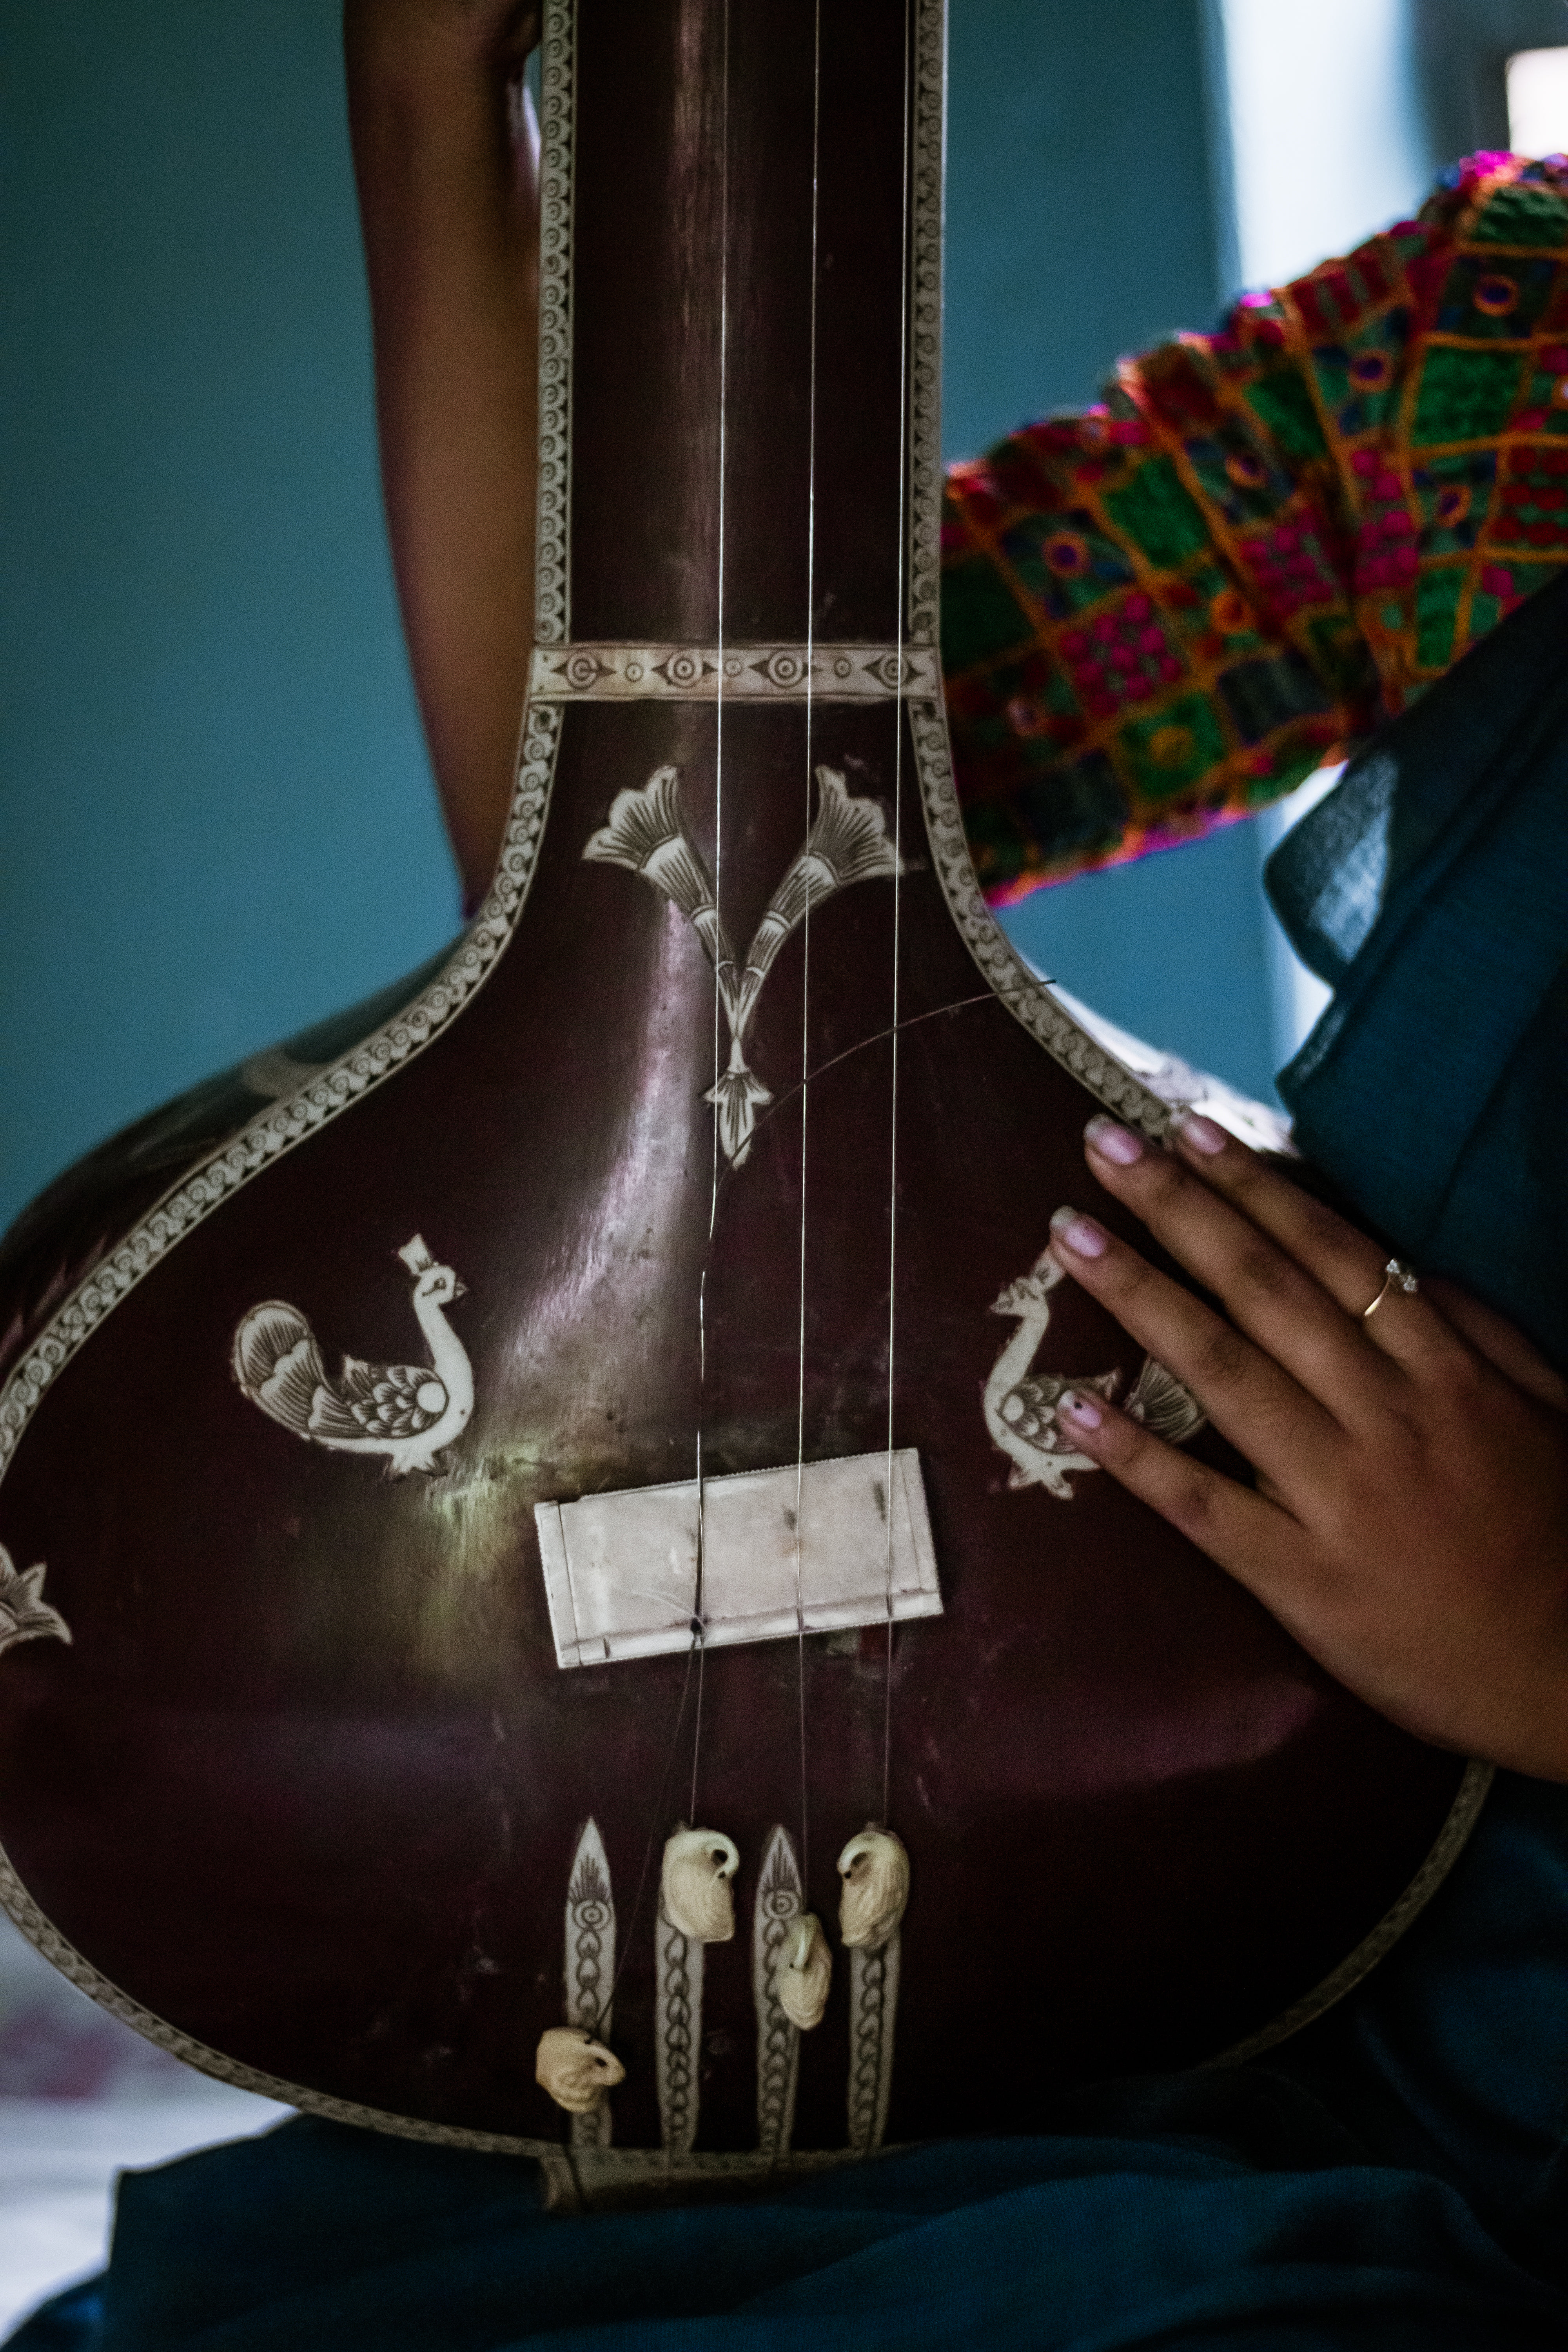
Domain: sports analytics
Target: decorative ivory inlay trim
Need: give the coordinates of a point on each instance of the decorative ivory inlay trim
(873, 2013)
(1450, 1842)
(558, 141)
(591, 1966)
(24, 1614)
(1027, 999)
(780, 1902)
(677, 2032)
(647, 835)
(827, 673)
(923, 588)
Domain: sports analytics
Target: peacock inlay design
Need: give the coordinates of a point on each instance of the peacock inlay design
(409, 1413)
(1020, 1410)
(648, 833)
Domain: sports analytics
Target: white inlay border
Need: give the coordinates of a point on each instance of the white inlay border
(794, 673)
(924, 586)
(558, 145)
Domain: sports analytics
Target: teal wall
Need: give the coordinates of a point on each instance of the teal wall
(1084, 221)
(218, 819)
(1082, 217)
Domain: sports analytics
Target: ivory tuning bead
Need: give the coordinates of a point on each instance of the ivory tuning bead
(575, 2069)
(804, 1972)
(875, 1868)
(698, 1867)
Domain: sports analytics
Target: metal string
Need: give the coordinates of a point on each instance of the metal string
(899, 716)
(806, 942)
(698, 1636)
(698, 1648)
(656, 1837)
(698, 1613)
(698, 1621)
(880, 1037)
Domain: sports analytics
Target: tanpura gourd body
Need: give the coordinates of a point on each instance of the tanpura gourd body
(737, 1116)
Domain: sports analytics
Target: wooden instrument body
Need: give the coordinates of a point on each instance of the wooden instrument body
(308, 1784)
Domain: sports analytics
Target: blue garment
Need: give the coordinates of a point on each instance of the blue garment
(1430, 890)
(1397, 2176)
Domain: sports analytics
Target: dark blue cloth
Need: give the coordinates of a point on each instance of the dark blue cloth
(1397, 2176)
(1431, 891)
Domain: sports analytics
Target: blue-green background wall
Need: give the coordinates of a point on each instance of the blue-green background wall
(1085, 217)
(218, 822)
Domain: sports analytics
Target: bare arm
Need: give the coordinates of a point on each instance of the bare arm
(449, 209)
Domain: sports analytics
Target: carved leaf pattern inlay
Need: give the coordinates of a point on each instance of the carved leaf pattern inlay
(24, 1614)
(648, 833)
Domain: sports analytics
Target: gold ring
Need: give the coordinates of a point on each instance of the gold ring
(1396, 1276)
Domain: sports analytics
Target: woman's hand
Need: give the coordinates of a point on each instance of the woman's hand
(1410, 1521)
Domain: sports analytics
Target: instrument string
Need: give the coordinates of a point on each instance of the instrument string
(699, 1617)
(698, 1631)
(1000, 989)
(806, 942)
(899, 718)
(657, 1832)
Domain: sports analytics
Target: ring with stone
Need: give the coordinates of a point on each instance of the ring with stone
(1396, 1276)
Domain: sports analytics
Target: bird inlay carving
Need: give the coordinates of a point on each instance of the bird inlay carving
(409, 1413)
(1021, 1409)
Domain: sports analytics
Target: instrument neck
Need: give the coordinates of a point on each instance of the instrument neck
(728, 410)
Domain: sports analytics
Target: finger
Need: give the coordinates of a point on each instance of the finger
(1348, 1265)
(1286, 1433)
(1251, 1537)
(1271, 1297)
(1493, 1336)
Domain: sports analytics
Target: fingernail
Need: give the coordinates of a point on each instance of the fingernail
(1081, 1409)
(1201, 1133)
(1078, 1233)
(1118, 1144)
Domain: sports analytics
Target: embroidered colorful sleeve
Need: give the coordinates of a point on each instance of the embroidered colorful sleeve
(1160, 616)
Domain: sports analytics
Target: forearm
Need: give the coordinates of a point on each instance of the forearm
(449, 216)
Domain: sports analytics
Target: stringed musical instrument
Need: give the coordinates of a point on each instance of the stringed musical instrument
(544, 1603)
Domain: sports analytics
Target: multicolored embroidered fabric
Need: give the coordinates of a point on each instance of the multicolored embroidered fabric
(1160, 616)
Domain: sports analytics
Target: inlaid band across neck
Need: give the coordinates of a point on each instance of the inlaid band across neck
(742, 673)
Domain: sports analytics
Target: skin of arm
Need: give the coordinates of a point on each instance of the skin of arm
(449, 204)
(1409, 1523)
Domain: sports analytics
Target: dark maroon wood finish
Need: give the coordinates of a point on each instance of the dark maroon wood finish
(309, 1781)
(660, 331)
